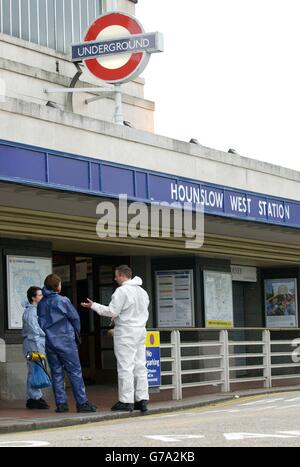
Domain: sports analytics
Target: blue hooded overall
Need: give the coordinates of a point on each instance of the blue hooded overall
(61, 324)
(33, 341)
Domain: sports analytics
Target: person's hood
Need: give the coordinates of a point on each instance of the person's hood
(28, 305)
(134, 282)
(47, 292)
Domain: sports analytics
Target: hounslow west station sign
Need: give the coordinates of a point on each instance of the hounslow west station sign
(38, 167)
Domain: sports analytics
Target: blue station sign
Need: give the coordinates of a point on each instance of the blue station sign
(68, 172)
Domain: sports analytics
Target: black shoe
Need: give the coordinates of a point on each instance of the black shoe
(86, 408)
(141, 405)
(44, 403)
(33, 404)
(61, 408)
(122, 407)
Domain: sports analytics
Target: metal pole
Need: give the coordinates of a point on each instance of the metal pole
(267, 359)
(118, 117)
(179, 367)
(225, 361)
(176, 365)
(112, 5)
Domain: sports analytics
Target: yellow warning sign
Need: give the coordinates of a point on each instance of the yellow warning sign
(153, 339)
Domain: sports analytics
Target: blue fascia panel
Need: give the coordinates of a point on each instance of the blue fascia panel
(40, 167)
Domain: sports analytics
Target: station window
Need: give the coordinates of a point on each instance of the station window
(51, 23)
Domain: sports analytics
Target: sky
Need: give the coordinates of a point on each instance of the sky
(229, 75)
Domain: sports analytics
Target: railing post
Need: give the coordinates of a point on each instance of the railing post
(267, 359)
(225, 361)
(176, 365)
(179, 366)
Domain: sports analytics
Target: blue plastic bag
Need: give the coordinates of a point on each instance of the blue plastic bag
(40, 378)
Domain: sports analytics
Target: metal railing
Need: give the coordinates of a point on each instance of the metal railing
(223, 358)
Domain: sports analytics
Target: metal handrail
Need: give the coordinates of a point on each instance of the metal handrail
(204, 354)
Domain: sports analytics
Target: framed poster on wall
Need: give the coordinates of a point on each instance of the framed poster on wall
(175, 299)
(22, 273)
(281, 304)
(218, 299)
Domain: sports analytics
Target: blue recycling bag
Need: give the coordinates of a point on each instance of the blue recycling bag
(40, 378)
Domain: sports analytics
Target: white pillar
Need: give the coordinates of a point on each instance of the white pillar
(110, 5)
(114, 5)
(125, 6)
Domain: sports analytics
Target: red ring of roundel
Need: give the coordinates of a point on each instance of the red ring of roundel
(114, 19)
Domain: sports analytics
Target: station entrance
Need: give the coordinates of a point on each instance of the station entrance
(91, 277)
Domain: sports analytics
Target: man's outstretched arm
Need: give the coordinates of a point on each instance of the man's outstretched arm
(112, 310)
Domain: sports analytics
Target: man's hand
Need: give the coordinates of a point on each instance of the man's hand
(89, 304)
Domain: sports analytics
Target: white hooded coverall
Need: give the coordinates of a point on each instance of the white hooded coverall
(129, 309)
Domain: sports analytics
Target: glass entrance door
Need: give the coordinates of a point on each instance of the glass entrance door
(105, 286)
(76, 273)
(91, 277)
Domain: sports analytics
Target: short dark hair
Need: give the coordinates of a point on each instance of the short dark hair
(52, 282)
(31, 293)
(126, 270)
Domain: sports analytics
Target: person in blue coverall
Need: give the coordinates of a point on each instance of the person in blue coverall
(33, 341)
(61, 323)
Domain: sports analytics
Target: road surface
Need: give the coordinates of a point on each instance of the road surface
(272, 420)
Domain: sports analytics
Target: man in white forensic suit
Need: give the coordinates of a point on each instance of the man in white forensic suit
(129, 310)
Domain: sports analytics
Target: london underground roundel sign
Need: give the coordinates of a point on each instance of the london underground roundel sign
(116, 48)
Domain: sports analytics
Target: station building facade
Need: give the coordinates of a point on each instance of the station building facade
(59, 157)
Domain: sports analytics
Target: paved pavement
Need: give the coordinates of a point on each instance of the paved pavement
(11, 423)
(262, 420)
